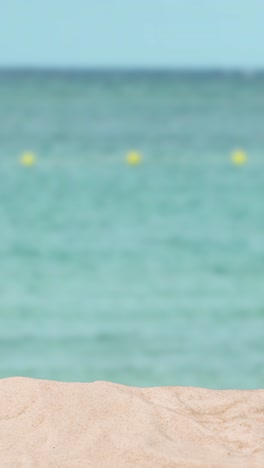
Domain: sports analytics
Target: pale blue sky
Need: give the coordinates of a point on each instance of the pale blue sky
(127, 33)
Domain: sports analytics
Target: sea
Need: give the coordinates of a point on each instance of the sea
(144, 274)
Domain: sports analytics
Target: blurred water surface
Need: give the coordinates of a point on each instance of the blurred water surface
(146, 275)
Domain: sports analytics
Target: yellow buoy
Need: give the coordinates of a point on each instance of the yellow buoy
(133, 158)
(28, 159)
(239, 157)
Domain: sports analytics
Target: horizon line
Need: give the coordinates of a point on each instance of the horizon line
(247, 71)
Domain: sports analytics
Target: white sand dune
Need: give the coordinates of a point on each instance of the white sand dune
(54, 424)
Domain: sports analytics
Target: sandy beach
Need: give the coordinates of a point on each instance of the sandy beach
(101, 424)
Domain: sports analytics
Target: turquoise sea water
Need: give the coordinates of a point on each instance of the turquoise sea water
(146, 275)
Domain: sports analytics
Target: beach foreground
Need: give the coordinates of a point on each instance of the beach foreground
(101, 424)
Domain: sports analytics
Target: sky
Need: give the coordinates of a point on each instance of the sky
(132, 33)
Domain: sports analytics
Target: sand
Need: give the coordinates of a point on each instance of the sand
(101, 424)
